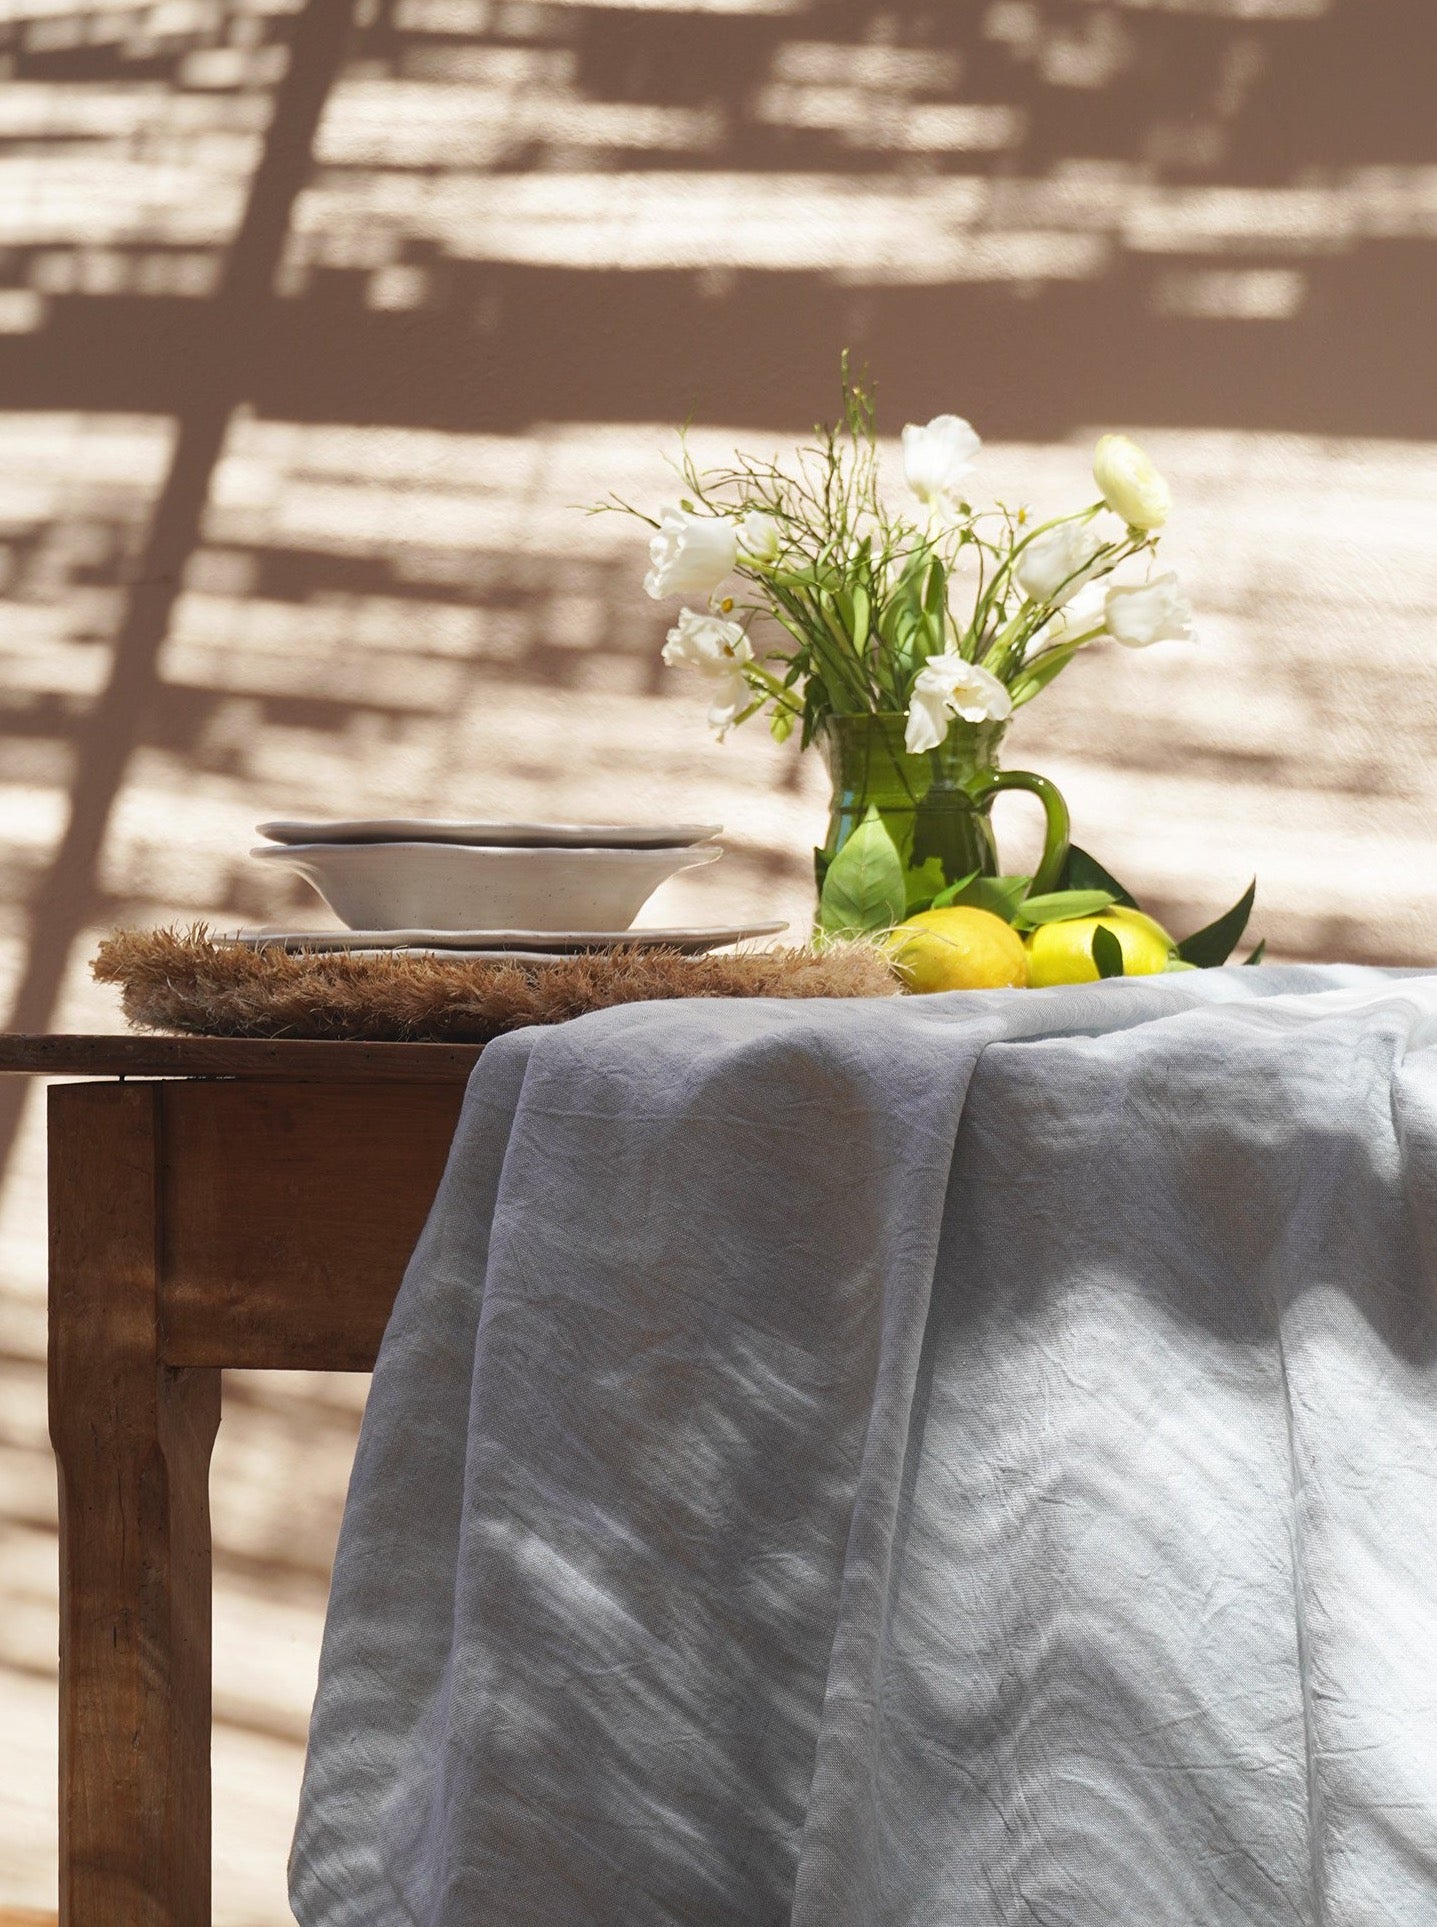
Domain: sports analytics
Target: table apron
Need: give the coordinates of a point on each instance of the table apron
(287, 1214)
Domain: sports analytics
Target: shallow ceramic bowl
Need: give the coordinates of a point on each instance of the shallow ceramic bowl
(456, 886)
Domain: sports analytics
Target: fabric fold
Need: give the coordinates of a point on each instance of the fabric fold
(905, 1463)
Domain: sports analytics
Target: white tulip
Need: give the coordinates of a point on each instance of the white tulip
(729, 698)
(759, 537)
(1129, 483)
(691, 554)
(1148, 612)
(716, 650)
(947, 686)
(937, 458)
(708, 643)
(1056, 564)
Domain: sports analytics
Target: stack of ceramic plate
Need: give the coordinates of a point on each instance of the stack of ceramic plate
(489, 889)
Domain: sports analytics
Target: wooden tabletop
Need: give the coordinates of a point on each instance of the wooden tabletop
(259, 1057)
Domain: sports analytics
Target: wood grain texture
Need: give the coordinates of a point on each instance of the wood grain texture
(132, 1438)
(274, 1058)
(290, 1212)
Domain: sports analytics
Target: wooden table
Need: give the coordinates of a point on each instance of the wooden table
(213, 1202)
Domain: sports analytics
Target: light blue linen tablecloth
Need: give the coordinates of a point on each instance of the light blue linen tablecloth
(962, 1460)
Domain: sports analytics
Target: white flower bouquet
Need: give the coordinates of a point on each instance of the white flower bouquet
(947, 612)
(902, 640)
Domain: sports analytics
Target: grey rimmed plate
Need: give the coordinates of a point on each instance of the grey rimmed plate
(693, 940)
(496, 836)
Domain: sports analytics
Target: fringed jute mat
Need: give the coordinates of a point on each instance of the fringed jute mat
(188, 980)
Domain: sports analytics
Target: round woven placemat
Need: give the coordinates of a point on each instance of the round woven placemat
(188, 980)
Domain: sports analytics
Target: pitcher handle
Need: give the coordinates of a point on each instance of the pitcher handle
(1055, 843)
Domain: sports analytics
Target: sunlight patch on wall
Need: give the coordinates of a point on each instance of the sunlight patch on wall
(1231, 294)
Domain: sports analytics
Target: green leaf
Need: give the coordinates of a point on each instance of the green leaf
(863, 889)
(1257, 953)
(1107, 952)
(1216, 941)
(1031, 681)
(1084, 872)
(1001, 895)
(922, 885)
(915, 565)
(953, 892)
(1059, 906)
(935, 594)
(862, 615)
(935, 605)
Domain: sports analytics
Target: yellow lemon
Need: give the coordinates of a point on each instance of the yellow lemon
(960, 948)
(1062, 953)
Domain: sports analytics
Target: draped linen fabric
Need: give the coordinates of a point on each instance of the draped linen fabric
(963, 1460)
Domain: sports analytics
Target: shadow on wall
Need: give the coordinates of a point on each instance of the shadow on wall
(1199, 214)
(1206, 212)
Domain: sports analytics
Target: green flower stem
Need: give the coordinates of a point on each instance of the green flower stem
(1000, 649)
(758, 677)
(1004, 573)
(1068, 642)
(1034, 676)
(838, 647)
(809, 631)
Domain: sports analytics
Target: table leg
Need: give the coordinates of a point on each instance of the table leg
(133, 1440)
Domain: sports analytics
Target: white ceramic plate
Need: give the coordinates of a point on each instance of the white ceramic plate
(523, 836)
(510, 943)
(459, 886)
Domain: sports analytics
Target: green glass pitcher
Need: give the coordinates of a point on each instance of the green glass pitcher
(934, 803)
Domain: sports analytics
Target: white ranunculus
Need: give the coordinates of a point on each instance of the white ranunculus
(1148, 612)
(717, 650)
(691, 554)
(1129, 483)
(947, 686)
(937, 458)
(759, 537)
(1056, 564)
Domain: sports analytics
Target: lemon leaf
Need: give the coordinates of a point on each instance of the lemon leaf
(1001, 895)
(1107, 952)
(953, 892)
(863, 889)
(1216, 941)
(1084, 872)
(1257, 953)
(1058, 906)
(922, 885)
